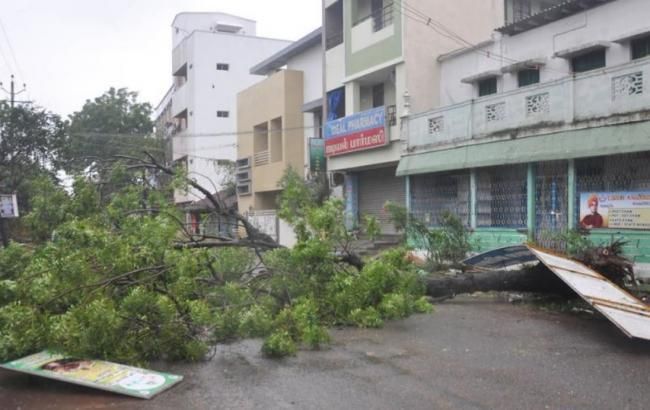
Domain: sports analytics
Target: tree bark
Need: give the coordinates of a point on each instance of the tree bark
(534, 279)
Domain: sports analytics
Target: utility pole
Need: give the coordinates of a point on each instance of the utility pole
(12, 101)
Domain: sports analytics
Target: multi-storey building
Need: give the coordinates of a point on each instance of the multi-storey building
(279, 118)
(211, 57)
(380, 63)
(544, 127)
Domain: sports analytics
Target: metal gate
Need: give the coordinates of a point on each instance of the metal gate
(376, 187)
(551, 202)
(433, 194)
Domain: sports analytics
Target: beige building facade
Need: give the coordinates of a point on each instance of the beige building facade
(269, 125)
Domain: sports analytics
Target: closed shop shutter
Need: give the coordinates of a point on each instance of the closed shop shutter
(375, 188)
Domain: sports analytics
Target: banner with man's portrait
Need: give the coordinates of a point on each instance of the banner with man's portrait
(618, 210)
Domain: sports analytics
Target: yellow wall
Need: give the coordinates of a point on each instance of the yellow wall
(278, 96)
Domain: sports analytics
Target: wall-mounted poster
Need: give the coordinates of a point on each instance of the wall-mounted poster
(619, 210)
(8, 206)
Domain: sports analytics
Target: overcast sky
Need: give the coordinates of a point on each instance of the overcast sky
(68, 51)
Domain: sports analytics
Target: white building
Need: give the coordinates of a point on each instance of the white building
(211, 57)
(539, 122)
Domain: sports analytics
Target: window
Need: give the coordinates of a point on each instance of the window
(589, 61)
(377, 95)
(336, 104)
(528, 77)
(640, 47)
(487, 86)
(223, 114)
(223, 67)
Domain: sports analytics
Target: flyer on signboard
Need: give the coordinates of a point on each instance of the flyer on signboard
(98, 374)
(619, 210)
(8, 206)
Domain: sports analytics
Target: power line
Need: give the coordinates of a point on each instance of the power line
(445, 31)
(11, 50)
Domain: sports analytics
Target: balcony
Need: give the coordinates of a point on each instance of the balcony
(180, 55)
(180, 99)
(606, 96)
(373, 28)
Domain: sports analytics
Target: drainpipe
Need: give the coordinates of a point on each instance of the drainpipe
(531, 192)
(472, 198)
(571, 194)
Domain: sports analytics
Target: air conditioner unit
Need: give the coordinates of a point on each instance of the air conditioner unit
(336, 179)
(243, 176)
(243, 163)
(244, 189)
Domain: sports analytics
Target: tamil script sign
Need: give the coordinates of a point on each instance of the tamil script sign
(8, 206)
(98, 374)
(356, 132)
(620, 210)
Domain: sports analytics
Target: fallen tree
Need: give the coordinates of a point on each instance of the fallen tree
(120, 278)
(531, 279)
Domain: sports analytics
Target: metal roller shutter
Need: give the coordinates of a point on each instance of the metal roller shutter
(375, 188)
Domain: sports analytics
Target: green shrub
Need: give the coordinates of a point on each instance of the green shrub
(279, 344)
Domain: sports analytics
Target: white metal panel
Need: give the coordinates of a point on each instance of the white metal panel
(628, 313)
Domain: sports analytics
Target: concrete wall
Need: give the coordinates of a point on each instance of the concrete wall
(607, 22)
(310, 62)
(422, 45)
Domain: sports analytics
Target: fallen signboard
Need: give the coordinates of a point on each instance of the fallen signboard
(627, 312)
(98, 374)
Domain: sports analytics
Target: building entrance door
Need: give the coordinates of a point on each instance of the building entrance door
(551, 203)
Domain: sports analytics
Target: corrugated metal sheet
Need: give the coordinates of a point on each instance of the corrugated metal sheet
(627, 312)
(375, 188)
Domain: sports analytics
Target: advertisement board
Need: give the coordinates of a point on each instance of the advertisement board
(317, 161)
(98, 374)
(8, 206)
(620, 210)
(356, 132)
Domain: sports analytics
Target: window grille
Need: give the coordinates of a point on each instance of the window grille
(627, 85)
(434, 193)
(537, 104)
(436, 125)
(495, 112)
(501, 197)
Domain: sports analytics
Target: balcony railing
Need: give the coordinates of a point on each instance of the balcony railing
(380, 18)
(261, 158)
(570, 102)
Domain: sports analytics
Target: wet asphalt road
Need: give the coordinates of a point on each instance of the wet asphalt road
(473, 353)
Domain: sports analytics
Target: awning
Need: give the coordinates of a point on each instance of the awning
(582, 49)
(589, 142)
(523, 65)
(632, 35)
(481, 76)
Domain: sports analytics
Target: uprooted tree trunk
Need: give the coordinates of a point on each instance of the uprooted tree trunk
(607, 260)
(533, 279)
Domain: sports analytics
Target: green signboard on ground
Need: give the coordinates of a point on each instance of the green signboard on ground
(98, 374)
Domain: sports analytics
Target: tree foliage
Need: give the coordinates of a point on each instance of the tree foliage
(447, 243)
(123, 281)
(31, 142)
(112, 124)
